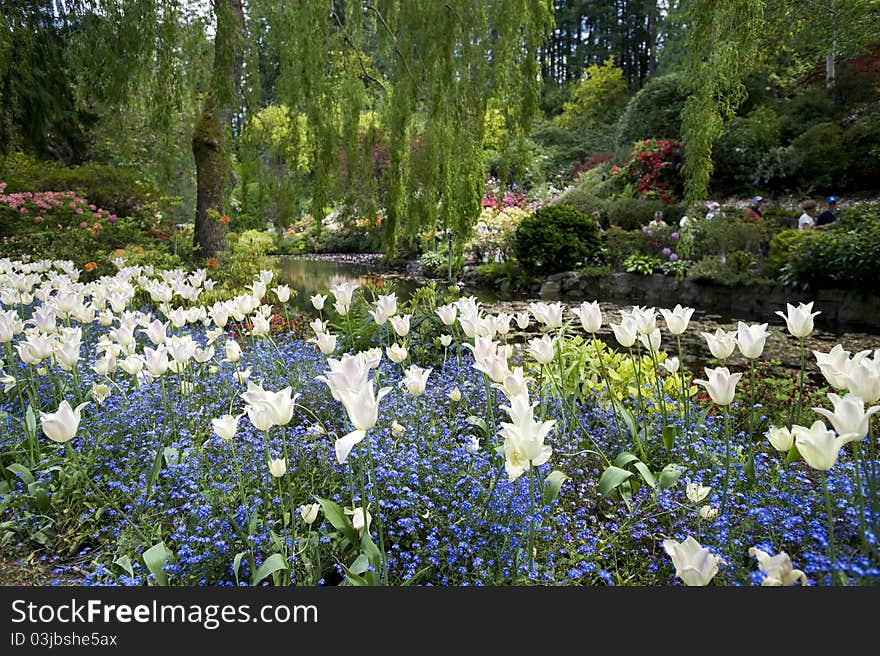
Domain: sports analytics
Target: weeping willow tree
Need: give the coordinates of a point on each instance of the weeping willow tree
(723, 41)
(393, 93)
(410, 81)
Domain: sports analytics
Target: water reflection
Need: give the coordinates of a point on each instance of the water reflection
(309, 277)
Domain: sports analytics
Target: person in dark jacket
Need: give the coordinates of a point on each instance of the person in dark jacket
(829, 215)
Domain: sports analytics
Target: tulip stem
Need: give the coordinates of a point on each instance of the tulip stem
(726, 463)
(684, 396)
(607, 382)
(863, 528)
(380, 525)
(638, 417)
(832, 549)
(531, 558)
(800, 400)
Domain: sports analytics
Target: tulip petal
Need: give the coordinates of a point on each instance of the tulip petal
(345, 444)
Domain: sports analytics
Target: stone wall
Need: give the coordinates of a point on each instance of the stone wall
(841, 309)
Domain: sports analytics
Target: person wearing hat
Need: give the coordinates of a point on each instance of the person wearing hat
(753, 211)
(713, 209)
(829, 215)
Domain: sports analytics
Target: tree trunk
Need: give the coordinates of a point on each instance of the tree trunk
(214, 174)
(214, 182)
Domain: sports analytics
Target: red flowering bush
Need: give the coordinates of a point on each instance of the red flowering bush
(654, 169)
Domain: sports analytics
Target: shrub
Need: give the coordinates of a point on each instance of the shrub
(582, 199)
(503, 277)
(655, 111)
(557, 238)
(845, 255)
(654, 169)
(245, 256)
(620, 244)
(117, 190)
(643, 264)
(745, 143)
(633, 213)
(720, 236)
(713, 269)
(780, 248)
(818, 158)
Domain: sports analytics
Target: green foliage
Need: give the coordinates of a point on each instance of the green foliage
(557, 238)
(633, 213)
(818, 158)
(582, 199)
(726, 235)
(654, 112)
(598, 97)
(642, 264)
(620, 244)
(434, 263)
(780, 248)
(676, 269)
(246, 255)
(743, 146)
(118, 190)
(722, 48)
(713, 269)
(845, 255)
(502, 277)
(740, 262)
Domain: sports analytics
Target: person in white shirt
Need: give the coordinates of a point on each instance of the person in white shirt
(806, 220)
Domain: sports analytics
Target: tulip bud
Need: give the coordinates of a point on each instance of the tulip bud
(277, 467)
(309, 512)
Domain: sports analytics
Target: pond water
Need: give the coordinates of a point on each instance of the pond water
(310, 275)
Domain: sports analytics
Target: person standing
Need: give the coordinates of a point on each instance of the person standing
(753, 211)
(829, 215)
(806, 220)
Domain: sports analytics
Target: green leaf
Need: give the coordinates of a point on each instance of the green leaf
(155, 558)
(552, 485)
(124, 563)
(646, 474)
(611, 478)
(41, 498)
(360, 565)
(340, 521)
(272, 564)
(792, 455)
(371, 550)
(624, 459)
(236, 565)
(628, 418)
(30, 421)
(670, 475)
(750, 469)
(473, 420)
(669, 436)
(22, 472)
(356, 579)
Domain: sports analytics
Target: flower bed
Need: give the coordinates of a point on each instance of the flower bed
(148, 438)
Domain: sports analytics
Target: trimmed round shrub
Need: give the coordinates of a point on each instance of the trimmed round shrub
(557, 238)
(582, 199)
